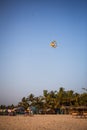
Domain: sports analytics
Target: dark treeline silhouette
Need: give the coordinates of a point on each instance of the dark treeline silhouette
(52, 100)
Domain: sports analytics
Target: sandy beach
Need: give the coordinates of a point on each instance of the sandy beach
(42, 122)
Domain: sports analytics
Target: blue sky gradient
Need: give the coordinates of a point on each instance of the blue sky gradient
(27, 63)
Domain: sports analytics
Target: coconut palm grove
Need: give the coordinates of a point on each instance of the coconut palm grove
(51, 102)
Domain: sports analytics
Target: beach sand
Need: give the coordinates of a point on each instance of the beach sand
(42, 122)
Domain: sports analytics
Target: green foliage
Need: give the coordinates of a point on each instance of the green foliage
(52, 100)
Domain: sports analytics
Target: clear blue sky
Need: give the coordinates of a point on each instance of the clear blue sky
(27, 63)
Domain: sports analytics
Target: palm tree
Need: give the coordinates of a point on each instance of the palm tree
(60, 95)
(83, 99)
(76, 99)
(23, 103)
(69, 97)
(30, 99)
(45, 93)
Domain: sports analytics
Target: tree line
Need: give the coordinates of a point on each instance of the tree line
(52, 100)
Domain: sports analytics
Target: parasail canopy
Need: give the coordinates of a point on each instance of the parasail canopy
(53, 44)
